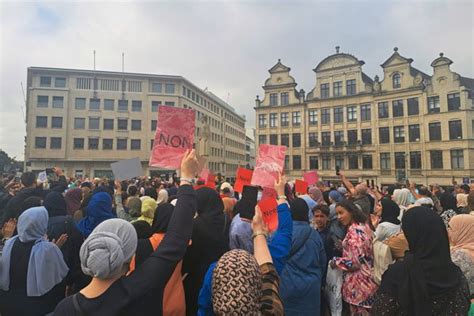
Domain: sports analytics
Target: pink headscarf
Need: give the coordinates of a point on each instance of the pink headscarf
(317, 195)
(461, 233)
(73, 199)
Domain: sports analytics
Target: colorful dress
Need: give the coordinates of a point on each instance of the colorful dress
(357, 262)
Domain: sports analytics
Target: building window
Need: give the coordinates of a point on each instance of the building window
(396, 81)
(262, 120)
(337, 89)
(326, 138)
(454, 102)
(80, 104)
(94, 104)
(433, 104)
(398, 134)
(169, 103)
(436, 157)
(350, 87)
(93, 143)
(284, 98)
(135, 144)
(273, 139)
(353, 162)
(365, 112)
(339, 138)
(313, 139)
(352, 137)
(151, 144)
(107, 143)
(385, 161)
(155, 105)
(326, 162)
(413, 107)
(286, 165)
(40, 142)
(285, 140)
(78, 143)
(108, 124)
(273, 119)
(42, 101)
(325, 116)
(313, 117)
(338, 115)
(352, 113)
(296, 118)
(79, 123)
(153, 125)
(109, 105)
(415, 160)
(457, 159)
(313, 162)
(399, 160)
(435, 131)
(136, 106)
(397, 108)
(58, 102)
(455, 129)
(262, 139)
(296, 162)
(42, 121)
(384, 135)
(94, 122)
(123, 105)
(367, 162)
(121, 144)
(324, 90)
(60, 82)
(57, 122)
(383, 109)
(122, 124)
(169, 88)
(273, 98)
(339, 161)
(136, 125)
(296, 140)
(414, 133)
(157, 87)
(45, 81)
(55, 143)
(366, 136)
(285, 121)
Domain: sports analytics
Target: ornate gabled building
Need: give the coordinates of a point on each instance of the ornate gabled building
(407, 124)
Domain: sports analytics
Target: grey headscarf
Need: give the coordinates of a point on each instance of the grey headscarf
(109, 247)
(46, 266)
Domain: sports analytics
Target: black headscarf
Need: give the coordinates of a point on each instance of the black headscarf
(209, 203)
(299, 210)
(448, 202)
(162, 218)
(427, 270)
(142, 228)
(390, 211)
(55, 204)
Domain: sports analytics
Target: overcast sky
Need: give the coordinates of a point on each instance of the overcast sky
(227, 46)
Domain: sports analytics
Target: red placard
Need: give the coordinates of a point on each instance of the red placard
(301, 186)
(243, 177)
(211, 181)
(311, 177)
(204, 173)
(268, 207)
(269, 193)
(270, 162)
(174, 135)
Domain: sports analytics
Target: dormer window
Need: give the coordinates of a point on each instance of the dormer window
(396, 81)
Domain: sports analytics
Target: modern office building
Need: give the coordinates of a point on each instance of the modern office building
(83, 120)
(250, 148)
(407, 124)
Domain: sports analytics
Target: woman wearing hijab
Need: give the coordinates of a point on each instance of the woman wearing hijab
(33, 271)
(402, 198)
(426, 282)
(148, 210)
(316, 195)
(389, 224)
(358, 286)
(461, 235)
(301, 277)
(73, 199)
(162, 197)
(448, 203)
(99, 209)
(210, 242)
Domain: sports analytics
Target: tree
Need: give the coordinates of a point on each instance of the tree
(6, 162)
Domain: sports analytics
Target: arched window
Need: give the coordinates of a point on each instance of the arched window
(396, 81)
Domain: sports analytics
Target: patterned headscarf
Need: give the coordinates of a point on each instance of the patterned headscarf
(236, 284)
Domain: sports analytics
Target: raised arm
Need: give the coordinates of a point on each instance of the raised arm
(118, 203)
(347, 184)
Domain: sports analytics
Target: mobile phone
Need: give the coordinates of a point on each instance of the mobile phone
(51, 175)
(372, 182)
(407, 183)
(367, 182)
(248, 202)
(337, 170)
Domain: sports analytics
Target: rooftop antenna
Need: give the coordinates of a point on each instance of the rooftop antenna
(228, 97)
(95, 80)
(94, 59)
(24, 99)
(124, 83)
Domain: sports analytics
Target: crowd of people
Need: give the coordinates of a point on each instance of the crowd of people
(183, 247)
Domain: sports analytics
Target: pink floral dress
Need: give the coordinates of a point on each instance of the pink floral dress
(357, 262)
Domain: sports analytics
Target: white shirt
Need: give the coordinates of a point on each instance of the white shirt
(385, 230)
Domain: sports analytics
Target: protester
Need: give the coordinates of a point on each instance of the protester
(470, 203)
(99, 209)
(240, 233)
(402, 198)
(162, 197)
(389, 224)
(426, 282)
(449, 208)
(148, 210)
(73, 199)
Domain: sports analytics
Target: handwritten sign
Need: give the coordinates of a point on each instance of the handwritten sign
(311, 177)
(127, 169)
(301, 186)
(270, 162)
(174, 135)
(268, 207)
(244, 177)
(269, 193)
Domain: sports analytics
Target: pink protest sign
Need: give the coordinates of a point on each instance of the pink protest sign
(311, 177)
(174, 135)
(270, 162)
(269, 193)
